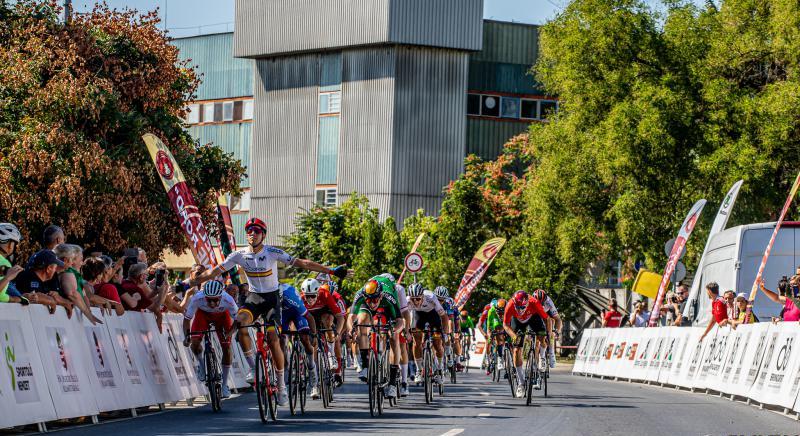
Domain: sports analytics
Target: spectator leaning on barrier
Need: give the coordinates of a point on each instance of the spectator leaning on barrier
(53, 236)
(9, 238)
(35, 282)
(791, 304)
(96, 272)
(730, 304)
(640, 315)
(612, 317)
(71, 281)
(741, 311)
(719, 310)
(136, 294)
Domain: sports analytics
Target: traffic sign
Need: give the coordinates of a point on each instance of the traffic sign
(668, 248)
(413, 262)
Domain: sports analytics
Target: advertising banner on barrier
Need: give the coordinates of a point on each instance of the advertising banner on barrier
(147, 339)
(777, 378)
(583, 352)
(24, 397)
(753, 355)
(644, 351)
(734, 360)
(714, 363)
(605, 364)
(682, 346)
(179, 358)
(627, 352)
(104, 373)
(672, 343)
(64, 361)
(131, 362)
(685, 369)
(656, 357)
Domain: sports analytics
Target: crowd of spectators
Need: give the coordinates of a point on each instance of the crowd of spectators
(65, 275)
(727, 309)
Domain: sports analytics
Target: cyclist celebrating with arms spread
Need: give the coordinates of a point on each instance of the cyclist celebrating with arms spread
(260, 264)
(523, 314)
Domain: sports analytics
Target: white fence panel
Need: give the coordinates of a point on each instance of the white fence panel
(131, 362)
(779, 374)
(104, 374)
(147, 339)
(180, 359)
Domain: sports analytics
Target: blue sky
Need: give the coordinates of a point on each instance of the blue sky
(189, 17)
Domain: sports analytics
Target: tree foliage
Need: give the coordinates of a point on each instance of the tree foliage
(75, 99)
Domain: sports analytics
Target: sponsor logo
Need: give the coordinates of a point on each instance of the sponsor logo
(164, 165)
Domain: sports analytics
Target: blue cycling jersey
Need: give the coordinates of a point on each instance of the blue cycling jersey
(292, 309)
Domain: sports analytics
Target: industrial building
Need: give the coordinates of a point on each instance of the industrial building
(386, 98)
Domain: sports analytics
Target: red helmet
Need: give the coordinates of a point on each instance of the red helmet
(540, 295)
(521, 299)
(255, 222)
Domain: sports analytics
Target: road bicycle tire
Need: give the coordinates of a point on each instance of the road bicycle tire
(495, 368)
(545, 376)
(293, 383)
(427, 369)
(212, 379)
(261, 387)
(386, 371)
(303, 386)
(372, 384)
(322, 376)
(343, 363)
(529, 377)
(272, 392)
(510, 370)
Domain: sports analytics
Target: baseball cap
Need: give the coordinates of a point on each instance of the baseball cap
(45, 258)
(741, 295)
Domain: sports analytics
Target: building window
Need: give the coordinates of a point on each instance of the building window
(247, 110)
(325, 196)
(330, 103)
(227, 111)
(242, 203)
(547, 108)
(473, 104)
(529, 109)
(192, 114)
(490, 106)
(208, 113)
(509, 107)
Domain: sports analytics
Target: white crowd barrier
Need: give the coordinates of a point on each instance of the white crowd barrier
(55, 367)
(759, 361)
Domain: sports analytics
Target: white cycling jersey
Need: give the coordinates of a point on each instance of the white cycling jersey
(198, 302)
(549, 307)
(261, 268)
(402, 301)
(428, 303)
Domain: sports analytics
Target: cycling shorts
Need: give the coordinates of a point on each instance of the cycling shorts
(534, 325)
(221, 321)
(266, 305)
(431, 318)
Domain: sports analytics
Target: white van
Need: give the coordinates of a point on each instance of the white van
(734, 256)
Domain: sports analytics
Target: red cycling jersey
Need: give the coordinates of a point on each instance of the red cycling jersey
(340, 302)
(324, 301)
(534, 308)
(484, 314)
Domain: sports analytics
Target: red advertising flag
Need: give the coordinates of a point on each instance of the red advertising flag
(181, 200)
(477, 268)
(674, 256)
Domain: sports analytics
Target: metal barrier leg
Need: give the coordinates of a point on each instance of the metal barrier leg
(161, 406)
(133, 412)
(95, 420)
(42, 427)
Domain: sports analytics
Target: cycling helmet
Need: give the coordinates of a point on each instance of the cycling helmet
(521, 299)
(255, 222)
(464, 313)
(415, 290)
(372, 290)
(333, 287)
(9, 232)
(501, 306)
(310, 287)
(388, 276)
(213, 289)
(493, 303)
(539, 295)
(441, 292)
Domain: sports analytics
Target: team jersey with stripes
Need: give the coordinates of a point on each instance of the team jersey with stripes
(260, 268)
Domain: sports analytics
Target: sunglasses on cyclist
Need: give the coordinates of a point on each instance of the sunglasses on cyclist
(415, 298)
(213, 300)
(254, 230)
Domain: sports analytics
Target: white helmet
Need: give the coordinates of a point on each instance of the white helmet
(388, 276)
(9, 232)
(441, 292)
(213, 289)
(310, 287)
(415, 290)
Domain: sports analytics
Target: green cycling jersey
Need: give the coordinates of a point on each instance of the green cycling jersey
(389, 302)
(467, 322)
(493, 319)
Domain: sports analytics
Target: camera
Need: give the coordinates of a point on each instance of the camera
(160, 273)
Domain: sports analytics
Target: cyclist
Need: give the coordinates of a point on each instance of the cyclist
(467, 331)
(325, 310)
(378, 299)
(449, 306)
(482, 329)
(214, 307)
(428, 311)
(260, 263)
(294, 312)
(389, 280)
(524, 314)
(555, 322)
(494, 326)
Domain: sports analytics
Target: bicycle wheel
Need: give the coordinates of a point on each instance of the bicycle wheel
(511, 371)
(303, 381)
(322, 376)
(545, 376)
(372, 384)
(272, 389)
(495, 369)
(427, 369)
(293, 382)
(261, 387)
(531, 375)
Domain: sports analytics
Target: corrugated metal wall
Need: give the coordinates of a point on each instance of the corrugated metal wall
(275, 27)
(367, 122)
(223, 76)
(232, 137)
(511, 43)
(284, 140)
(430, 127)
(486, 138)
(438, 23)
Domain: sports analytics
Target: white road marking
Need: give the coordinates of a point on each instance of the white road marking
(484, 415)
(491, 403)
(453, 432)
(486, 394)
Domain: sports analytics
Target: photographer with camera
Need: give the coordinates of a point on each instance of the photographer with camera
(788, 296)
(640, 315)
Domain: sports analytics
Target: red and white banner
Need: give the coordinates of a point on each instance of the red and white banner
(760, 274)
(477, 268)
(674, 256)
(181, 200)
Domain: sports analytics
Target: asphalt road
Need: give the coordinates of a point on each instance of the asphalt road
(475, 406)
